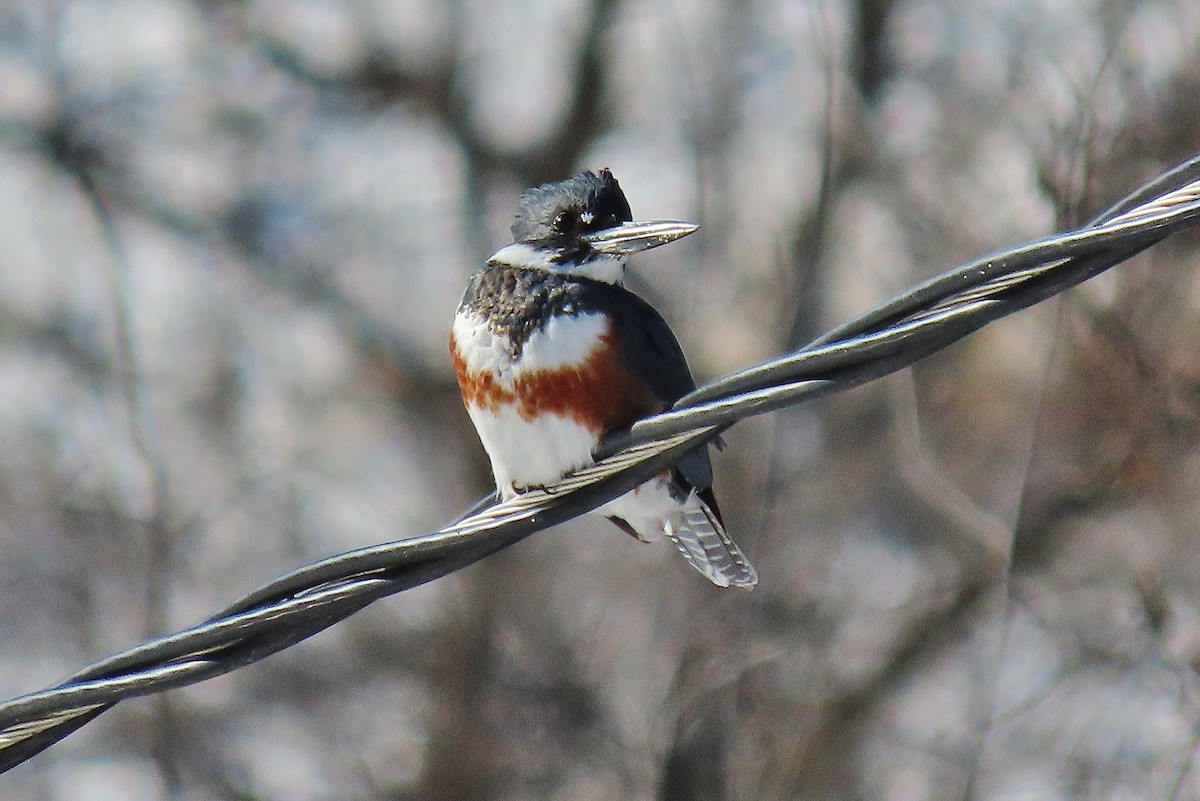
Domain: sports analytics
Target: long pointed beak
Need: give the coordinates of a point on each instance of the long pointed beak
(633, 237)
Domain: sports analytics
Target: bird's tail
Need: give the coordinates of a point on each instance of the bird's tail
(700, 536)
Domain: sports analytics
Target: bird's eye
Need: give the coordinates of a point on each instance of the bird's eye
(564, 221)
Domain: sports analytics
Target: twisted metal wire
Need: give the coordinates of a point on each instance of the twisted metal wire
(887, 338)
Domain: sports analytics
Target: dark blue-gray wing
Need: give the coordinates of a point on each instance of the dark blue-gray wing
(649, 350)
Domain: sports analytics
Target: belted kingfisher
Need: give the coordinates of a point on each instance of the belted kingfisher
(552, 354)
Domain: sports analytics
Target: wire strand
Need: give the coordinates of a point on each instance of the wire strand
(885, 339)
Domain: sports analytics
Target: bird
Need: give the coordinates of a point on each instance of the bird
(552, 353)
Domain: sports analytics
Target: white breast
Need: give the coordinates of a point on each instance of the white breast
(565, 340)
(537, 451)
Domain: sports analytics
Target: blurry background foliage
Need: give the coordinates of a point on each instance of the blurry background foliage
(979, 579)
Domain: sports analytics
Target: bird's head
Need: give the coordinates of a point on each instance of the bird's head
(583, 226)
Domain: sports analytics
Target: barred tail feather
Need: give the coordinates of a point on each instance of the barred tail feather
(702, 540)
